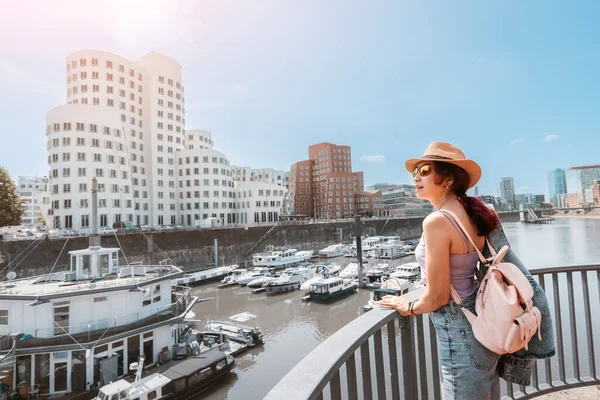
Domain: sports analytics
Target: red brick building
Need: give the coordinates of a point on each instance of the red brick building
(324, 186)
(301, 187)
(369, 202)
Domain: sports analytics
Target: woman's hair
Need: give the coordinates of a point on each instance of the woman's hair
(484, 219)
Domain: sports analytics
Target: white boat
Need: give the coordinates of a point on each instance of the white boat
(335, 250)
(282, 258)
(260, 280)
(351, 270)
(234, 275)
(234, 329)
(288, 280)
(351, 251)
(376, 272)
(331, 289)
(205, 276)
(183, 380)
(391, 286)
(391, 250)
(368, 243)
(87, 324)
(322, 271)
(410, 271)
(252, 274)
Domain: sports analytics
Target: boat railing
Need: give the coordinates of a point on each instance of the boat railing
(385, 356)
(149, 316)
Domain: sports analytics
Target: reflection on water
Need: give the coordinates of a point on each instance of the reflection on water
(293, 328)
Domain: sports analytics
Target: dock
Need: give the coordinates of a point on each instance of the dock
(530, 217)
(539, 221)
(226, 285)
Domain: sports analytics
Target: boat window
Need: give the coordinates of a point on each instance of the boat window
(199, 376)
(152, 395)
(221, 364)
(85, 266)
(179, 385)
(103, 265)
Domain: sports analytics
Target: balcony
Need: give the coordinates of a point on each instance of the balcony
(380, 354)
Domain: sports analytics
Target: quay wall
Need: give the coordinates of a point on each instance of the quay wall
(193, 249)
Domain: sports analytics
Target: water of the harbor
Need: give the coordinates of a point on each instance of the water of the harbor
(293, 328)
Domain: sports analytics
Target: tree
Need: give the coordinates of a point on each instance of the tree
(11, 205)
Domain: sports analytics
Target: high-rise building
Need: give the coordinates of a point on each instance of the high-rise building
(324, 185)
(557, 184)
(35, 194)
(123, 124)
(587, 175)
(507, 191)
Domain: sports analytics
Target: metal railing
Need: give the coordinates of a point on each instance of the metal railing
(385, 356)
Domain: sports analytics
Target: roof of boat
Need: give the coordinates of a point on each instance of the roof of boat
(190, 365)
(149, 383)
(56, 284)
(327, 281)
(116, 387)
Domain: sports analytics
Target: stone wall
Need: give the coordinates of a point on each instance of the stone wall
(195, 248)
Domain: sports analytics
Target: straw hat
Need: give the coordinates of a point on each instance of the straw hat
(448, 153)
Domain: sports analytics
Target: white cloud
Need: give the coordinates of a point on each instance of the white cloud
(517, 141)
(550, 138)
(373, 159)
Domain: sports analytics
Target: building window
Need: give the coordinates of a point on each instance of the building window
(3, 317)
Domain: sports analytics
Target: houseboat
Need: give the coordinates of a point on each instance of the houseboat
(281, 258)
(79, 329)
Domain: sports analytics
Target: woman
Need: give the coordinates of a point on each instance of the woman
(443, 176)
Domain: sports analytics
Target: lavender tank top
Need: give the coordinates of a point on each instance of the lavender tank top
(462, 266)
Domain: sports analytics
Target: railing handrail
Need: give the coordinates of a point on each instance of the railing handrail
(339, 347)
(309, 377)
(565, 268)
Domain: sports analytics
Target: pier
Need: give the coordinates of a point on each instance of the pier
(530, 217)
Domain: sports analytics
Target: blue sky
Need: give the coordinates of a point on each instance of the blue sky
(515, 84)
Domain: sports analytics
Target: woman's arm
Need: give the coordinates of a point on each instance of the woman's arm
(437, 248)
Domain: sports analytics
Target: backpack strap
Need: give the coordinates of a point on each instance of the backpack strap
(482, 259)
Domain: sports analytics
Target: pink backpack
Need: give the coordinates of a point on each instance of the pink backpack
(506, 318)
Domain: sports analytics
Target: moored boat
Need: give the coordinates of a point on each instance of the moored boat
(410, 271)
(289, 280)
(331, 289)
(335, 250)
(281, 258)
(182, 380)
(205, 276)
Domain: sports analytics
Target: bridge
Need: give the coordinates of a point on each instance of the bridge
(383, 355)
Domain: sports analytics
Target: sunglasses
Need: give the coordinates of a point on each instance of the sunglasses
(423, 170)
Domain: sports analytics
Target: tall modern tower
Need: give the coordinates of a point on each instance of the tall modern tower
(587, 174)
(123, 124)
(507, 191)
(557, 184)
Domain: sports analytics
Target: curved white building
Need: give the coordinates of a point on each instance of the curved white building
(206, 188)
(258, 202)
(147, 97)
(86, 142)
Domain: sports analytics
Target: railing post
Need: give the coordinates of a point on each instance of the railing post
(407, 349)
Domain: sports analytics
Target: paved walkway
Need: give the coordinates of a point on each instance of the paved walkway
(586, 393)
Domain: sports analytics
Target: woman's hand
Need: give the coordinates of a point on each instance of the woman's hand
(396, 302)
